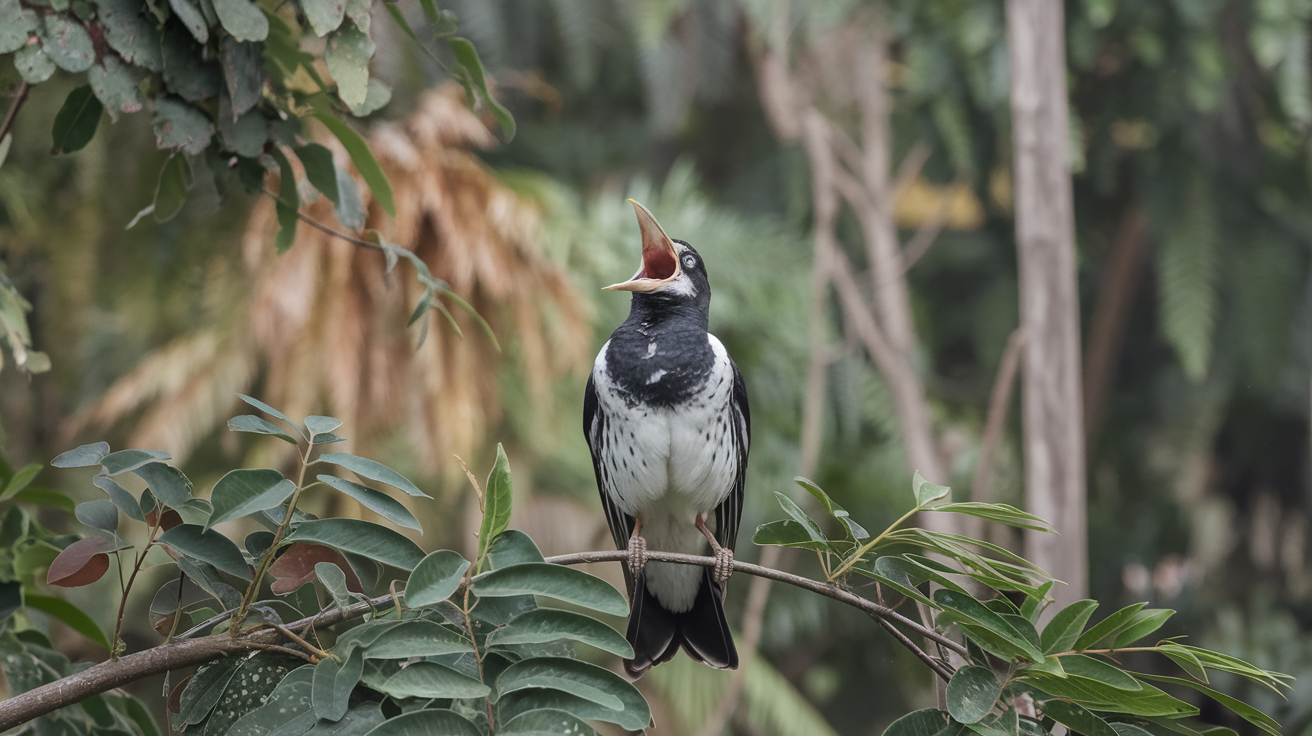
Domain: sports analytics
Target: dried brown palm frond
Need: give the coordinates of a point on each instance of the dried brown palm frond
(329, 325)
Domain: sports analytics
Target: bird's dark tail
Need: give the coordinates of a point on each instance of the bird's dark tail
(656, 633)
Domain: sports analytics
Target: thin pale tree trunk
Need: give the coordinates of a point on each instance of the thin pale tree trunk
(1049, 302)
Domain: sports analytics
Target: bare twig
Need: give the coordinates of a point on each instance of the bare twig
(19, 98)
(910, 168)
(1111, 313)
(324, 228)
(939, 667)
(999, 402)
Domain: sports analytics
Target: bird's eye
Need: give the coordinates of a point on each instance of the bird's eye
(689, 262)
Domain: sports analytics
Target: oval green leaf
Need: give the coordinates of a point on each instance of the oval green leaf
(553, 581)
(125, 460)
(417, 638)
(75, 124)
(364, 538)
(498, 496)
(119, 496)
(971, 693)
(246, 491)
(435, 578)
(546, 722)
(513, 547)
(373, 470)
(432, 680)
(207, 545)
(588, 681)
(546, 625)
(258, 425)
(926, 722)
(83, 456)
(376, 501)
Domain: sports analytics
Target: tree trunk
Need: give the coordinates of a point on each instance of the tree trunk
(1049, 302)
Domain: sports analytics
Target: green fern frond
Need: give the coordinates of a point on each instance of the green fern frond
(773, 706)
(1187, 279)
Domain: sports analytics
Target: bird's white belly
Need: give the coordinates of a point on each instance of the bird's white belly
(667, 465)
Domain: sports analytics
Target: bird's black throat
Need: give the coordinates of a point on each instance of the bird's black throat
(661, 355)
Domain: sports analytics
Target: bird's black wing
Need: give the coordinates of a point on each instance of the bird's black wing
(728, 515)
(594, 430)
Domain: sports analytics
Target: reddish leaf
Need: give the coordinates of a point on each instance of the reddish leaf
(170, 520)
(82, 563)
(296, 567)
(175, 697)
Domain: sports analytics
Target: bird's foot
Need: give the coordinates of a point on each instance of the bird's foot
(723, 557)
(723, 565)
(637, 561)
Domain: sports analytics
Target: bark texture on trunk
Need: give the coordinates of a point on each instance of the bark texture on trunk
(1049, 301)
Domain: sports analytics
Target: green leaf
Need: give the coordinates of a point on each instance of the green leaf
(925, 722)
(191, 16)
(1185, 659)
(245, 491)
(467, 56)
(855, 531)
(1188, 278)
(1083, 665)
(546, 625)
(317, 424)
(635, 716)
(971, 693)
(75, 124)
(243, 19)
(1064, 629)
(350, 212)
(425, 722)
(363, 538)
(244, 73)
(347, 56)
(792, 509)
(926, 492)
(498, 496)
(287, 203)
(16, 25)
(553, 581)
(207, 545)
(288, 701)
(1142, 624)
(435, 578)
(119, 496)
(70, 615)
(258, 425)
(999, 512)
(896, 574)
(376, 98)
(1226, 663)
(1240, 708)
(787, 533)
(1094, 695)
(334, 581)
(360, 154)
(1077, 719)
(204, 689)
(1108, 627)
(513, 547)
(21, 479)
(1034, 604)
(45, 497)
(976, 612)
(180, 125)
(99, 514)
(129, 32)
(167, 483)
(171, 190)
(432, 680)
(129, 460)
(271, 412)
(33, 64)
(187, 73)
(588, 681)
(417, 638)
(83, 456)
(376, 501)
(545, 723)
(1129, 729)
(324, 15)
(319, 169)
(372, 470)
(332, 684)
(67, 44)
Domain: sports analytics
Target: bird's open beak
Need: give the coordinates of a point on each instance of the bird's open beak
(660, 263)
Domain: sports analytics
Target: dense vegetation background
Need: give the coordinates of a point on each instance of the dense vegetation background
(1190, 125)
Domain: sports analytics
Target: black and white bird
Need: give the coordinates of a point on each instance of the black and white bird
(665, 414)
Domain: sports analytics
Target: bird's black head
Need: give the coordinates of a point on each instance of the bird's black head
(672, 278)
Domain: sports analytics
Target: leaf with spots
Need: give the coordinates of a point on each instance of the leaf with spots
(288, 701)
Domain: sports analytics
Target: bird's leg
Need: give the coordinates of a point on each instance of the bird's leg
(637, 549)
(723, 557)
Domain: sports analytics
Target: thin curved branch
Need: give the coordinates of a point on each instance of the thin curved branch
(826, 589)
(175, 655)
